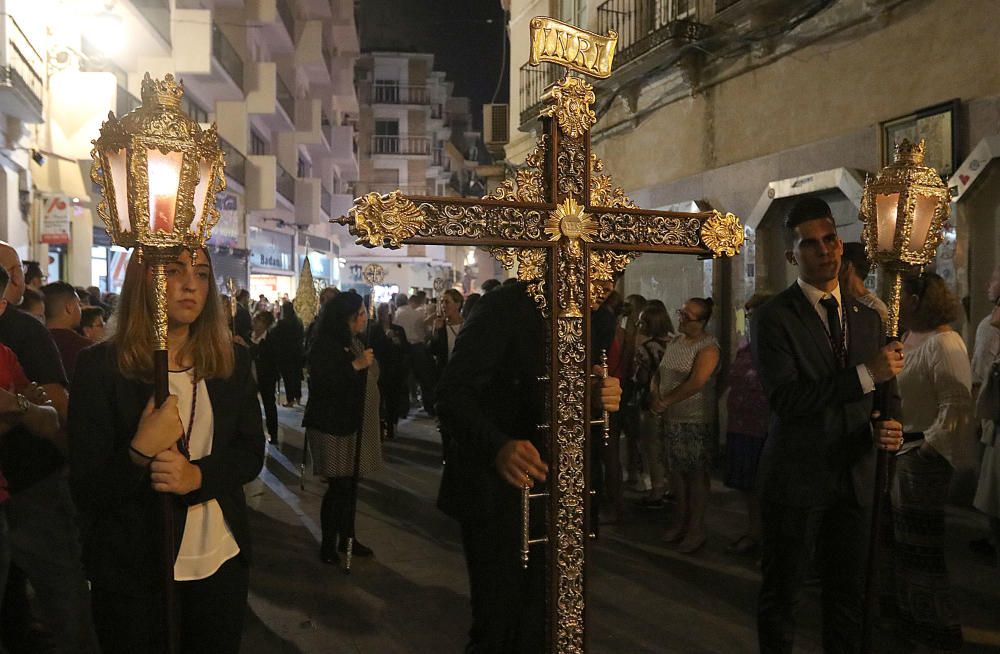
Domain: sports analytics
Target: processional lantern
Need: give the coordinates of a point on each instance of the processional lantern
(159, 173)
(904, 210)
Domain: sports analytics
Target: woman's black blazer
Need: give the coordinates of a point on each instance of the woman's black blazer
(336, 390)
(121, 514)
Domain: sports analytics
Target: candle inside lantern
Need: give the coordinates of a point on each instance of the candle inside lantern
(886, 211)
(164, 179)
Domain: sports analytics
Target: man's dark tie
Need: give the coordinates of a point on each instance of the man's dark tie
(835, 329)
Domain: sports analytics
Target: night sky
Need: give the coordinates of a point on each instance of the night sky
(464, 44)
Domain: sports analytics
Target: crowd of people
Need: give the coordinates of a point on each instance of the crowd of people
(90, 465)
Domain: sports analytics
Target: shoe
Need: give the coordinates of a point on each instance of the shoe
(328, 556)
(743, 545)
(357, 549)
(674, 535)
(692, 544)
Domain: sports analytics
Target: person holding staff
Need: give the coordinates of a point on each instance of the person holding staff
(200, 447)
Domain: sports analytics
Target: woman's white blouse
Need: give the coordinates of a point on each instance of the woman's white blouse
(207, 542)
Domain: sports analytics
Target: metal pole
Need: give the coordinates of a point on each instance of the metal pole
(161, 390)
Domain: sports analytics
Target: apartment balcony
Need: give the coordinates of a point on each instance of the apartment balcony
(285, 185)
(309, 127)
(157, 14)
(236, 163)
(260, 81)
(277, 23)
(393, 93)
(326, 202)
(534, 81)
(261, 186)
(283, 117)
(125, 102)
(307, 201)
(309, 52)
(227, 57)
(21, 70)
(647, 26)
(344, 151)
(400, 146)
(345, 95)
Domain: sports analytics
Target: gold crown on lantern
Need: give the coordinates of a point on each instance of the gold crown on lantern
(166, 92)
(909, 152)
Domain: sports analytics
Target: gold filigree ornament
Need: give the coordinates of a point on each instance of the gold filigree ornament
(569, 100)
(570, 221)
(384, 220)
(722, 234)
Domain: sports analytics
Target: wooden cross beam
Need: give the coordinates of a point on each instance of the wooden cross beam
(570, 230)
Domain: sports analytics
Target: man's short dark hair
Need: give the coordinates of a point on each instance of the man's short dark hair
(804, 210)
(4, 280)
(56, 295)
(31, 298)
(32, 271)
(490, 285)
(855, 253)
(242, 295)
(89, 316)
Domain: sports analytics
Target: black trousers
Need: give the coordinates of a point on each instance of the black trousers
(293, 383)
(211, 613)
(837, 536)
(508, 602)
(267, 386)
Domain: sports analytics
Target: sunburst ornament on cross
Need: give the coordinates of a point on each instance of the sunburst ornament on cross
(570, 231)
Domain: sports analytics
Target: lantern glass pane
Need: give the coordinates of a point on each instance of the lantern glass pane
(886, 208)
(164, 179)
(923, 213)
(200, 192)
(119, 178)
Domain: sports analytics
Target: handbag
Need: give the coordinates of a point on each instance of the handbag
(988, 402)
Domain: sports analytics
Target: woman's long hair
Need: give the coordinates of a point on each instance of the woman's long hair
(333, 328)
(209, 345)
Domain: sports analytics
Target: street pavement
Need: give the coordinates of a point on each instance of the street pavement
(412, 597)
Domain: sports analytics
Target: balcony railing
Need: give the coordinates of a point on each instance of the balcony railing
(157, 13)
(387, 92)
(226, 55)
(645, 24)
(325, 200)
(287, 17)
(24, 65)
(438, 159)
(534, 81)
(401, 145)
(286, 99)
(286, 185)
(437, 111)
(236, 163)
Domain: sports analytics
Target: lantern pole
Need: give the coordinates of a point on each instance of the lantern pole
(164, 204)
(903, 210)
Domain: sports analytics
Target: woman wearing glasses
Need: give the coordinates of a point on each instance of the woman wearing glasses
(683, 391)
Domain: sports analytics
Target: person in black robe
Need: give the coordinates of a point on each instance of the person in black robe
(392, 351)
(289, 338)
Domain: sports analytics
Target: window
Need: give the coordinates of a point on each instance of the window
(387, 91)
(386, 139)
(677, 10)
(193, 109)
(573, 12)
(257, 143)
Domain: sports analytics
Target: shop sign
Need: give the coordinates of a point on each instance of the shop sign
(55, 219)
(271, 250)
(227, 231)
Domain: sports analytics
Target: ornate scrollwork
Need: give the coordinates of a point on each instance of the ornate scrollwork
(568, 220)
(723, 235)
(459, 220)
(384, 220)
(603, 192)
(569, 102)
(532, 264)
(569, 479)
(648, 229)
(572, 164)
(528, 184)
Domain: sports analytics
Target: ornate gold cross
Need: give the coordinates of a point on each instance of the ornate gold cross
(569, 230)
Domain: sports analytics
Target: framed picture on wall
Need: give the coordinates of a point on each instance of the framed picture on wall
(937, 125)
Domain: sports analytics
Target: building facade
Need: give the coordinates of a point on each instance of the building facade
(745, 105)
(276, 76)
(415, 135)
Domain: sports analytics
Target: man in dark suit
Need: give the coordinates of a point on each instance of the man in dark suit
(490, 402)
(821, 358)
